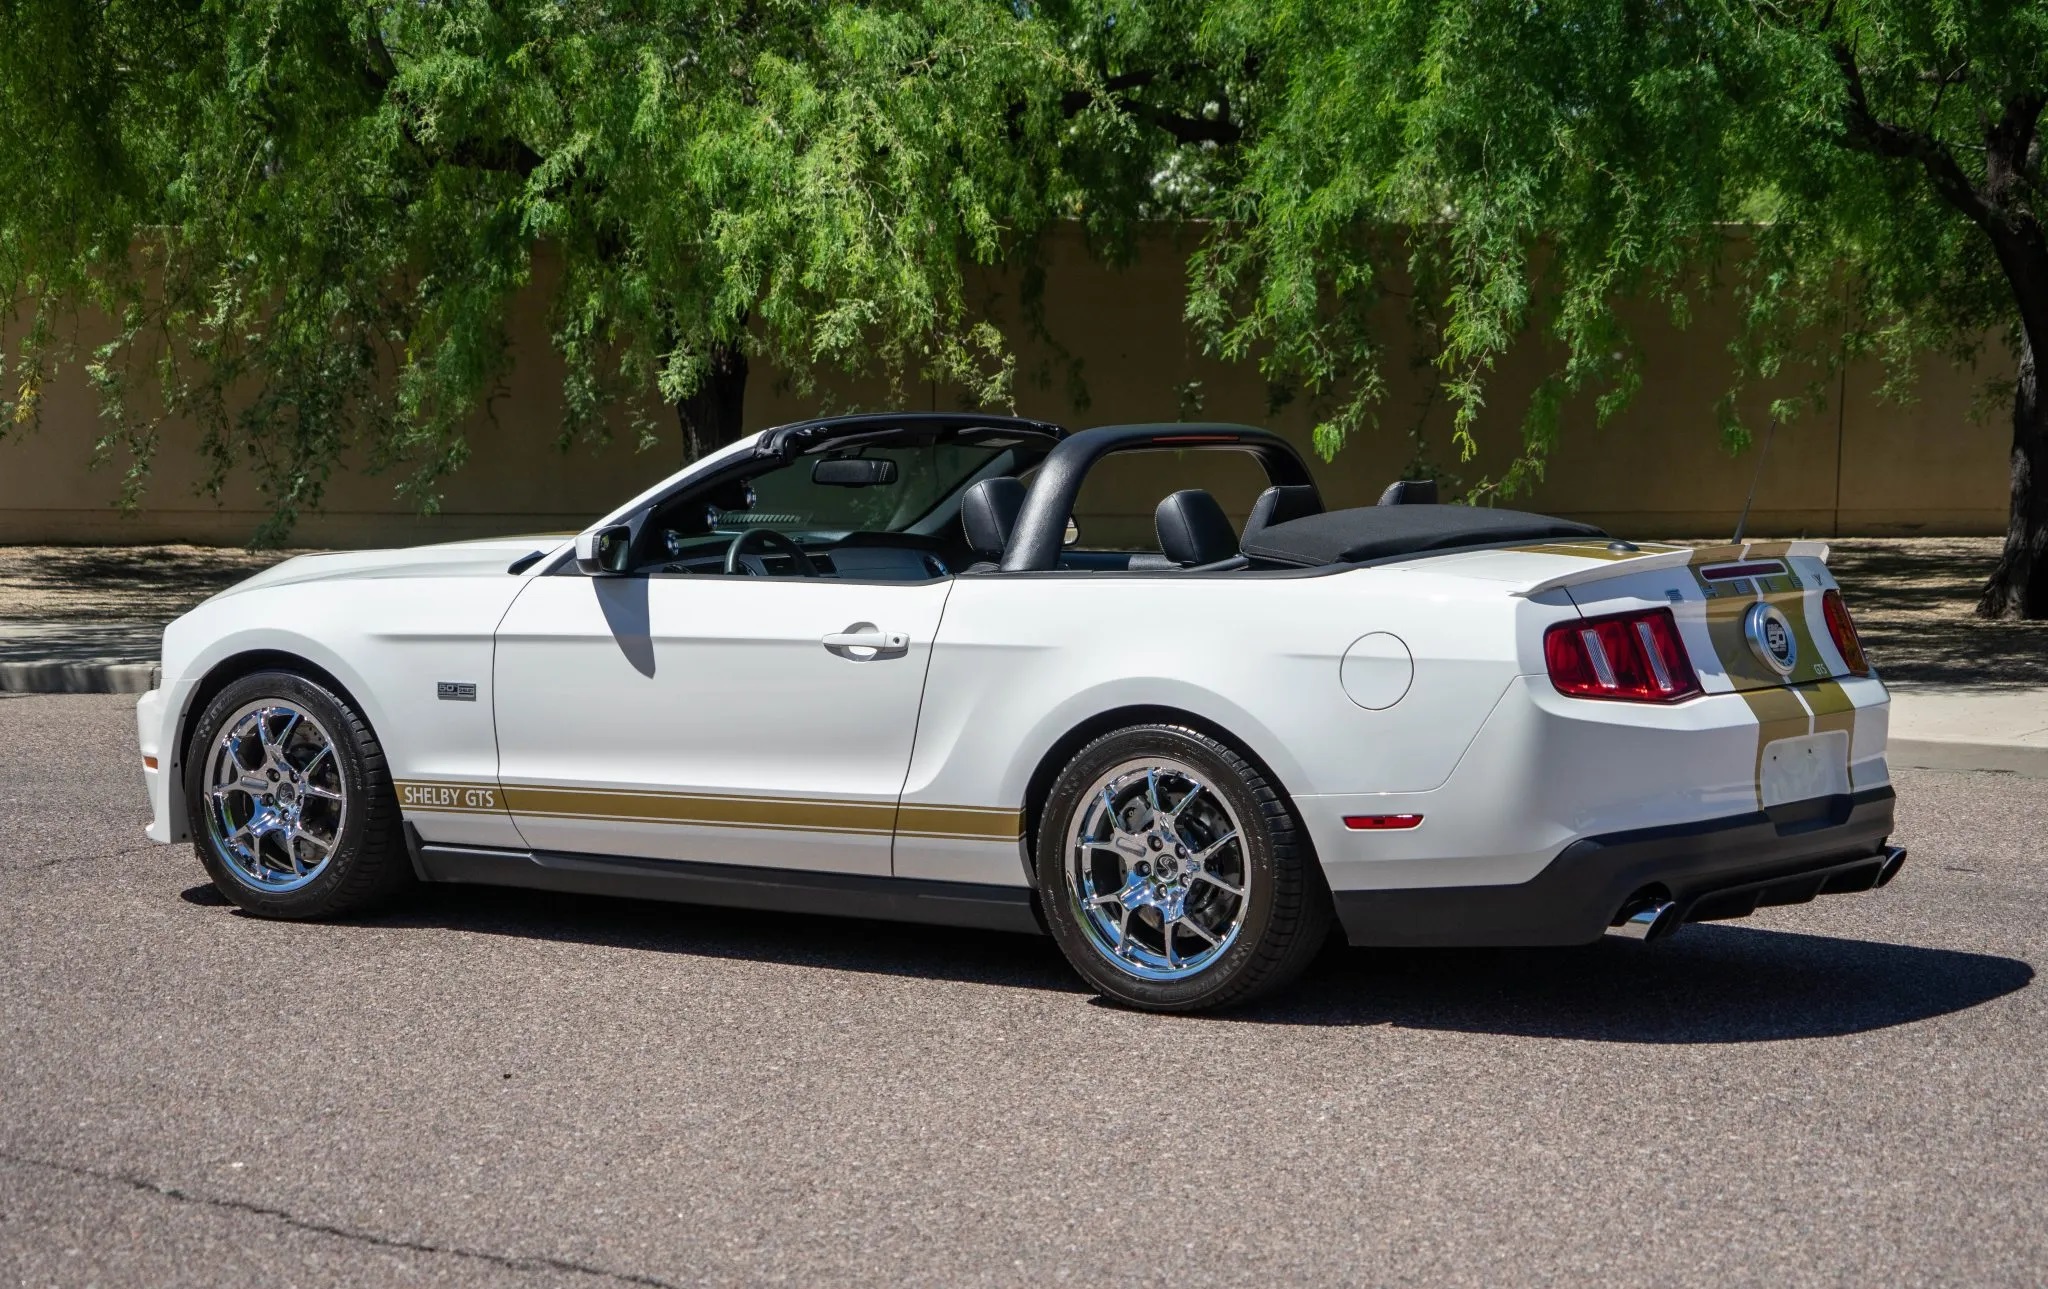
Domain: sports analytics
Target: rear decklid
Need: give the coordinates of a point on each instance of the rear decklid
(1753, 620)
(1711, 590)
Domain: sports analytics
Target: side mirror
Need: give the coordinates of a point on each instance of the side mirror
(853, 472)
(605, 552)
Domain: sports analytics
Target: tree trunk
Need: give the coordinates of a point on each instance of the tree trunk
(2019, 582)
(711, 416)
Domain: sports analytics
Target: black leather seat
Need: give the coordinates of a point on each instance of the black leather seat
(1193, 530)
(988, 513)
(1280, 503)
(1410, 492)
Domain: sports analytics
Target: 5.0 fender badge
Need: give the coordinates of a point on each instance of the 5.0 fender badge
(455, 691)
(1770, 637)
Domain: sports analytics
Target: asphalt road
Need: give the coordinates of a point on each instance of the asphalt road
(504, 1089)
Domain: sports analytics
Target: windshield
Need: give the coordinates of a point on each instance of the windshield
(790, 499)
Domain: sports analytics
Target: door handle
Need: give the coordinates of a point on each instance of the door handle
(870, 640)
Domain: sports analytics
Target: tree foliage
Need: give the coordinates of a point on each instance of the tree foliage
(310, 219)
(1862, 178)
(324, 210)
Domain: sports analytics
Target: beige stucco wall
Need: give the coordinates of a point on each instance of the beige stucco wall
(1862, 466)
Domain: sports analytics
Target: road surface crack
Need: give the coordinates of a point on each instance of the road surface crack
(509, 1262)
(124, 853)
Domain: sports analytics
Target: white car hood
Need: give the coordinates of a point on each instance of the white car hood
(484, 558)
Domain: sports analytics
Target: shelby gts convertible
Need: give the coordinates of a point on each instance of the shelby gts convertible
(864, 666)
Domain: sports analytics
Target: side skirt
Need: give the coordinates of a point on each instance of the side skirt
(853, 895)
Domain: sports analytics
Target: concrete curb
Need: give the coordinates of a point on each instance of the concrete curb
(2021, 759)
(76, 677)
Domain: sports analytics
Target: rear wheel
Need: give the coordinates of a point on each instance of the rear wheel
(1174, 875)
(292, 808)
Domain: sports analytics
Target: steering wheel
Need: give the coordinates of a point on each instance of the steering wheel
(740, 558)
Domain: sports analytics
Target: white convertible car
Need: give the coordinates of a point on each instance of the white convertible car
(861, 666)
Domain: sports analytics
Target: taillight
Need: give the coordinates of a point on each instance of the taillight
(1843, 628)
(1634, 657)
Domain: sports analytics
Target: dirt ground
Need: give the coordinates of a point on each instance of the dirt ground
(1912, 598)
(100, 583)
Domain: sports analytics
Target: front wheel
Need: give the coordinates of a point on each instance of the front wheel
(1174, 876)
(292, 807)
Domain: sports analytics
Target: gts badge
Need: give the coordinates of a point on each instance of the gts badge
(455, 691)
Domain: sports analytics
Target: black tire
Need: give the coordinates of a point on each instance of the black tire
(1287, 911)
(369, 865)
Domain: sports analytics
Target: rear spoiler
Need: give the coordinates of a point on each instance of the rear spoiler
(1670, 557)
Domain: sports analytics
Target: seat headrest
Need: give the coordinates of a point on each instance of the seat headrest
(1410, 492)
(988, 512)
(1193, 529)
(1282, 502)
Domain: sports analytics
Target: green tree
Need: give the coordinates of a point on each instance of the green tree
(1863, 177)
(309, 219)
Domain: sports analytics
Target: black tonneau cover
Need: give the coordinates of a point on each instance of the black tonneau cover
(1383, 532)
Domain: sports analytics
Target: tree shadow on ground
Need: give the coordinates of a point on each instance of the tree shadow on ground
(1712, 983)
(96, 583)
(1914, 602)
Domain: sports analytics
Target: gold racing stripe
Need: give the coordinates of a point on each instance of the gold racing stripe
(1779, 714)
(1832, 707)
(715, 810)
(707, 810)
(1591, 550)
(1784, 706)
(965, 823)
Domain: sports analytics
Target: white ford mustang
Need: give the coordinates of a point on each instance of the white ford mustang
(860, 666)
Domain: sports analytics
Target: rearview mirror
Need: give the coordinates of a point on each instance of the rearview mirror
(853, 472)
(1073, 534)
(605, 552)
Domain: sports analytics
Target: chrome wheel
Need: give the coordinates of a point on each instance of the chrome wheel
(1156, 869)
(275, 796)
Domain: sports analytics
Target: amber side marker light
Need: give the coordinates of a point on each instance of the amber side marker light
(149, 763)
(1380, 823)
(1843, 628)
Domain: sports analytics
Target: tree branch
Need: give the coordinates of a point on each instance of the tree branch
(1866, 133)
(1184, 128)
(2012, 146)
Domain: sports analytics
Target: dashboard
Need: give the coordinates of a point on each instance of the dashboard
(874, 557)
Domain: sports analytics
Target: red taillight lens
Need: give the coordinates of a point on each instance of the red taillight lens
(1634, 657)
(1843, 628)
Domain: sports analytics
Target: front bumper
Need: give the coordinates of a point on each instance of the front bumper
(156, 726)
(1718, 868)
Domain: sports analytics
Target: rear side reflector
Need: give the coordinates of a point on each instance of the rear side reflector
(1380, 823)
(1631, 657)
(1843, 628)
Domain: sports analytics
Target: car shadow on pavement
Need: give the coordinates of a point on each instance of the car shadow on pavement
(1710, 983)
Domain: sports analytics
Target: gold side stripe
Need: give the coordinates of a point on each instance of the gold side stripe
(716, 810)
(680, 808)
(992, 822)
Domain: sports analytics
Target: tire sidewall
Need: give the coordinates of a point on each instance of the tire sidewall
(1217, 984)
(317, 896)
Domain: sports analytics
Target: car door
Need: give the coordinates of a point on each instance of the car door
(764, 721)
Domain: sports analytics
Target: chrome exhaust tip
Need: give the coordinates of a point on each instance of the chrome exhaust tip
(1894, 860)
(1649, 921)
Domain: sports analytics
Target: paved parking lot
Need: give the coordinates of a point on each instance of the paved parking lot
(500, 1088)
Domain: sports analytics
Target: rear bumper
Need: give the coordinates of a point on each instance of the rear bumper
(1717, 868)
